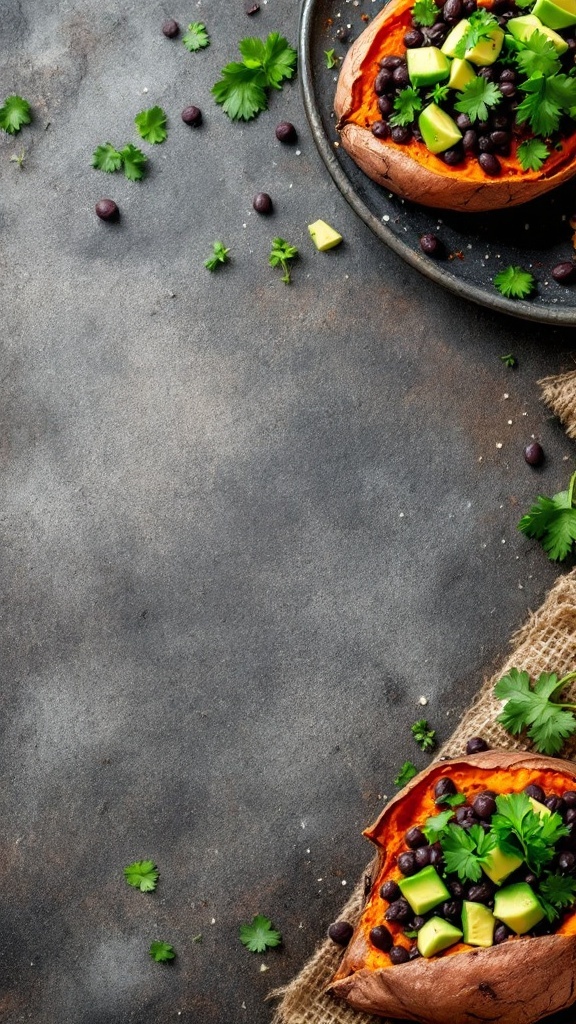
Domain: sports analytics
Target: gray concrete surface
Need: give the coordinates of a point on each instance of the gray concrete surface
(244, 526)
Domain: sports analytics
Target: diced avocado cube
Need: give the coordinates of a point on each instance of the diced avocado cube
(487, 50)
(461, 72)
(499, 865)
(478, 923)
(427, 65)
(518, 907)
(424, 890)
(522, 28)
(436, 935)
(438, 130)
(560, 14)
(540, 809)
(454, 36)
(323, 236)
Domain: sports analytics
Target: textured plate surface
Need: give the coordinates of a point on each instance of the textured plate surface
(536, 236)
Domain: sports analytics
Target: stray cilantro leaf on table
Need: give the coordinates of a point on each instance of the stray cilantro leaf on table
(281, 255)
(218, 257)
(509, 360)
(196, 38)
(330, 58)
(425, 736)
(151, 125)
(407, 772)
(552, 521)
(514, 283)
(241, 91)
(142, 874)
(476, 98)
(425, 12)
(161, 952)
(259, 935)
(133, 161)
(14, 113)
(534, 710)
(106, 158)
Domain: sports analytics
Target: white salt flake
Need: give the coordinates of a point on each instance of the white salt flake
(423, 701)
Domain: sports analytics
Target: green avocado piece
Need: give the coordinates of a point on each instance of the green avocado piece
(487, 50)
(560, 14)
(323, 236)
(518, 907)
(522, 28)
(454, 36)
(438, 130)
(461, 72)
(427, 65)
(478, 923)
(499, 865)
(424, 890)
(436, 935)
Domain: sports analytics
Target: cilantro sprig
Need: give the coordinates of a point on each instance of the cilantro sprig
(477, 97)
(425, 736)
(406, 106)
(259, 935)
(14, 113)
(552, 521)
(519, 830)
(436, 825)
(534, 709)
(547, 98)
(133, 161)
(218, 257)
(266, 64)
(281, 255)
(425, 12)
(407, 772)
(532, 153)
(142, 874)
(151, 125)
(514, 282)
(196, 37)
(556, 892)
(466, 850)
(161, 952)
(480, 24)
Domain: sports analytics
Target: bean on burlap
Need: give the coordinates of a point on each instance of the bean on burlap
(559, 392)
(546, 643)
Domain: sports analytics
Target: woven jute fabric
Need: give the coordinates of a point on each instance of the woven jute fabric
(546, 643)
(559, 392)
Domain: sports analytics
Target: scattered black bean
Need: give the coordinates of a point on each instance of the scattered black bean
(530, 878)
(381, 938)
(407, 863)
(500, 138)
(400, 911)
(251, 8)
(484, 806)
(534, 454)
(341, 932)
(468, 7)
(422, 856)
(414, 953)
(401, 133)
(476, 745)
(382, 81)
(437, 34)
(262, 203)
(390, 891)
(413, 38)
(451, 910)
(564, 273)
(385, 105)
(555, 804)
(417, 923)
(452, 11)
(400, 76)
(170, 28)
(501, 933)
(286, 132)
(454, 155)
(570, 816)
(444, 786)
(489, 73)
(463, 122)
(485, 144)
(536, 792)
(464, 814)
(380, 129)
(569, 798)
(457, 889)
(432, 246)
(192, 116)
(482, 892)
(508, 89)
(106, 209)
(507, 75)
(399, 955)
(342, 34)
(490, 164)
(391, 61)
(415, 838)
(436, 855)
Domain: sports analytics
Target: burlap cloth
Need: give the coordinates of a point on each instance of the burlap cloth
(547, 642)
(559, 393)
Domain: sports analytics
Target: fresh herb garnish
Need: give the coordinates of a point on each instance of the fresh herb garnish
(241, 91)
(133, 161)
(142, 874)
(151, 125)
(466, 850)
(407, 772)
(532, 709)
(434, 826)
(259, 935)
(107, 158)
(509, 360)
(425, 736)
(532, 153)
(14, 113)
(552, 521)
(161, 952)
(406, 106)
(477, 97)
(424, 12)
(218, 257)
(19, 158)
(196, 38)
(439, 93)
(480, 25)
(452, 799)
(537, 55)
(330, 58)
(281, 255)
(514, 283)
(520, 830)
(546, 100)
(556, 892)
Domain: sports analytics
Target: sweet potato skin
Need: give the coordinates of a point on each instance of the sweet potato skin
(402, 170)
(518, 982)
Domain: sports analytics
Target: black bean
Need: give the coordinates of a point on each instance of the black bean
(392, 61)
(499, 121)
(570, 816)
(399, 911)
(530, 878)
(250, 7)
(381, 938)
(422, 856)
(534, 454)
(390, 891)
(451, 910)
(508, 89)
(476, 745)
(454, 155)
(457, 889)
(507, 75)
(407, 863)
(480, 893)
(484, 806)
(342, 33)
(501, 933)
(463, 122)
(341, 932)
(490, 164)
(432, 246)
(485, 144)
(564, 273)
(415, 953)
(380, 129)
(465, 813)
(170, 28)
(385, 105)
(286, 132)
(468, 7)
(566, 861)
(400, 76)
(536, 792)
(488, 73)
(401, 134)
(500, 138)
(382, 81)
(569, 798)
(436, 855)
(437, 34)
(106, 209)
(413, 38)
(399, 955)
(192, 116)
(555, 804)
(452, 11)
(444, 786)
(417, 923)
(262, 203)
(415, 838)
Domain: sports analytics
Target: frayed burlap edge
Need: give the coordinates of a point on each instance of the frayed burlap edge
(546, 642)
(559, 392)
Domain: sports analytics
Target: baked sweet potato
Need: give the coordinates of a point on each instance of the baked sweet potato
(518, 981)
(410, 169)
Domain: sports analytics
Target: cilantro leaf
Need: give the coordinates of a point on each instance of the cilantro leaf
(466, 850)
(407, 772)
(330, 59)
(532, 153)
(509, 360)
(547, 723)
(133, 160)
(434, 826)
(425, 736)
(14, 113)
(548, 97)
(218, 257)
(281, 255)
(452, 799)
(406, 105)
(555, 893)
(519, 829)
(259, 935)
(151, 125)
(106, 158)
(553, 522)
(514, 283)
(439, 94)
(161, 952)
(241, 91)
(279, 61)
(476, 97)
(196, 38)
(142, 874)
(425, 12)
(537, 55)
(480, 24)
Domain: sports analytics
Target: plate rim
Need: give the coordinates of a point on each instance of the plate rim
(518, 308)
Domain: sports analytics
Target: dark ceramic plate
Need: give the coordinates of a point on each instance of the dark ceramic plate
(535, 236)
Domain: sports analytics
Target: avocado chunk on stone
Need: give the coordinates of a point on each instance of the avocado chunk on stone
(461, 72)
(518, 907)
(523, 28)
(478, 923)
(499, 865)
(427, 65)
(436, 935)
(437, 128)
(424, 890)
(323, 236)
(560, 14)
